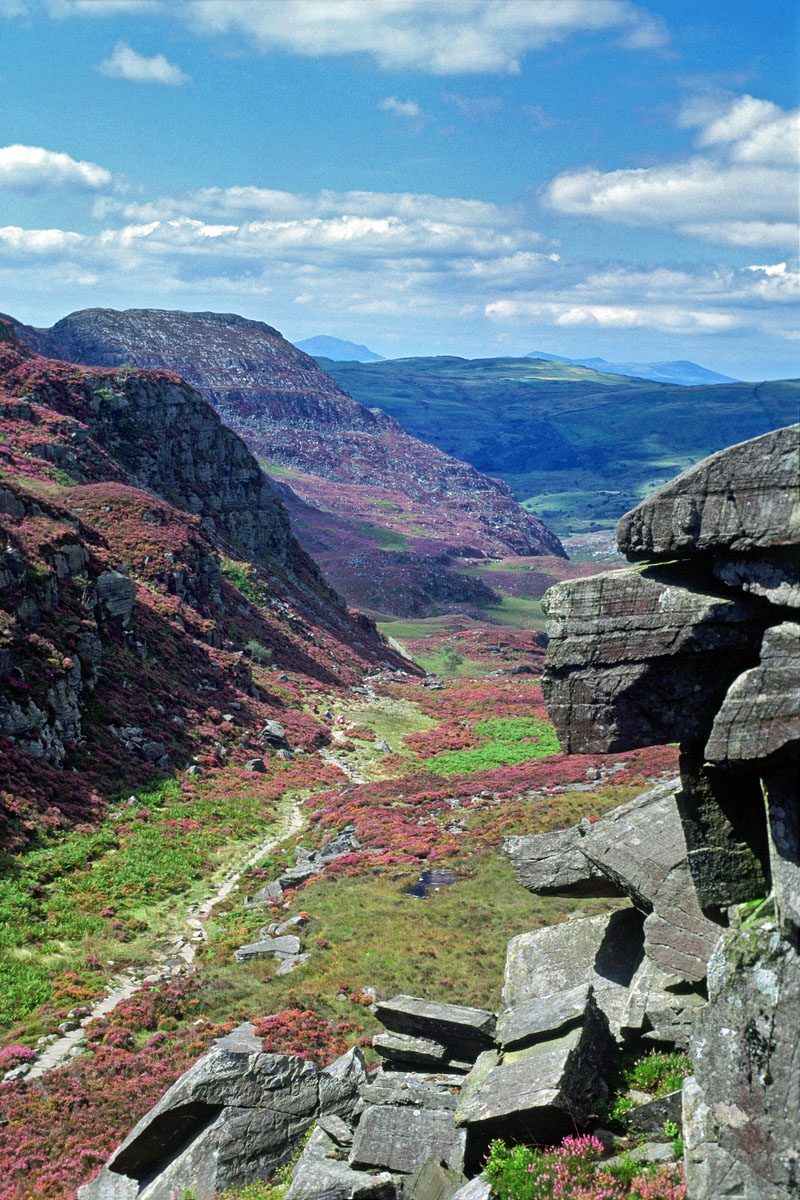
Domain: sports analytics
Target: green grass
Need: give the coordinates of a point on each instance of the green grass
(447, 664)
(510, 740)
(517, 612)
(386, 539)
(451, 943)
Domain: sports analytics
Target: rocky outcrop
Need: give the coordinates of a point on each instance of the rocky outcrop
(722, 676)
(231, 1118)
(360, 485)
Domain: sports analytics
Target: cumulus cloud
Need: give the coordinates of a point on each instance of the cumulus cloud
(742, 191)
(33, 169)
(126, 63)
(450, 37)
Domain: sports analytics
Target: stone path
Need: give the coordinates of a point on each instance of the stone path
(180, 957)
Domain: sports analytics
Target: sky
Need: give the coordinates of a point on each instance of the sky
(470, 177)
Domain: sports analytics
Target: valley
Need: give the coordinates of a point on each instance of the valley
(577, 446)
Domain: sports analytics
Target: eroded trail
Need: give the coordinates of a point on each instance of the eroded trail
(183, 950)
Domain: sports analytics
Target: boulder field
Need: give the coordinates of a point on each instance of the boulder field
(699, 646)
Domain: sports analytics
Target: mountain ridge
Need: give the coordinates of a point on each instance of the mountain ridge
(340, 456)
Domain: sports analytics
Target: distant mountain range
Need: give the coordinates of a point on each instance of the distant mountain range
(688, 374)
(337, 350)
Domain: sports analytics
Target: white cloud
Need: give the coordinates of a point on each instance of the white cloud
(33, 169)
(449, 37)
(663, 318)
(400, 108)
(48, 242)
(742, 191)
(126, 63)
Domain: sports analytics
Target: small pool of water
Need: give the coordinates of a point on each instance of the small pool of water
(431, 881)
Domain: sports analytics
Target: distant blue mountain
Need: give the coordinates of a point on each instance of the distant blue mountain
(687, 373)
(337, 350)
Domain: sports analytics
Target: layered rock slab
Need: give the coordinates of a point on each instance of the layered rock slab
(642, 657)
(743, 498)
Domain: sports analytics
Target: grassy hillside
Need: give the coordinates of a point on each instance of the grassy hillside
(577, 446)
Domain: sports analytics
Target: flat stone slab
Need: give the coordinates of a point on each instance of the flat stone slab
(404, 1048)
(552, 864)
(744, 498)
(548, 1016)
(464, 1031)
(268, 946)
(602, 951)
(440, 1090)
(401, 1139)
(651, 1116)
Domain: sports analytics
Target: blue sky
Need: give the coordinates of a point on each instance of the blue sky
(474, 177)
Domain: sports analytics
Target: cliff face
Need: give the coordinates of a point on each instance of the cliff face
(145, 551)
(342, 457)
(705, 650)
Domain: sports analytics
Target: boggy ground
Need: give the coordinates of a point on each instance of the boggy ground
(470, 762)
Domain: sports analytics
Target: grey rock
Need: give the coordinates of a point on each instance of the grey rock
(661, 1007)
(321, 1175)
(743, 498)
(116, 594)
(774, 576)
(231, 1118)
(602, 951)
(337, 1129)
(343, 843)
(274, 734)
(780, 778)
(256, 765)
(268, 946)
(270, 893)
(433, 1180)
(478, 1188)
(464, 1031)
(546, 1089)
(290, 964)
(415, 1088)
(402, 1047)
(740, 1111)
(640, 658)
(552, 864)
(652, 1115)
(652, 1152)
(642, 846)
(384, 746)
(761, 710)
(545, 1016)
(400, 1139)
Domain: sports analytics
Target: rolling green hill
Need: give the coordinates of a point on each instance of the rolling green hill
(577, 446)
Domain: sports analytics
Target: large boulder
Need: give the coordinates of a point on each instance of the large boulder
(400, 1139)
(553, 864)
(642, 657)
(540, 1092)
(544, 965)
(744, 498)
(231, 1118)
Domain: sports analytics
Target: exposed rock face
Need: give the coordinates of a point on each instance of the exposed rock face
(638, 658)
(733, 518)
(231, 1118)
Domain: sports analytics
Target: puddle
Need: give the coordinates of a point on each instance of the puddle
(431, 881)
